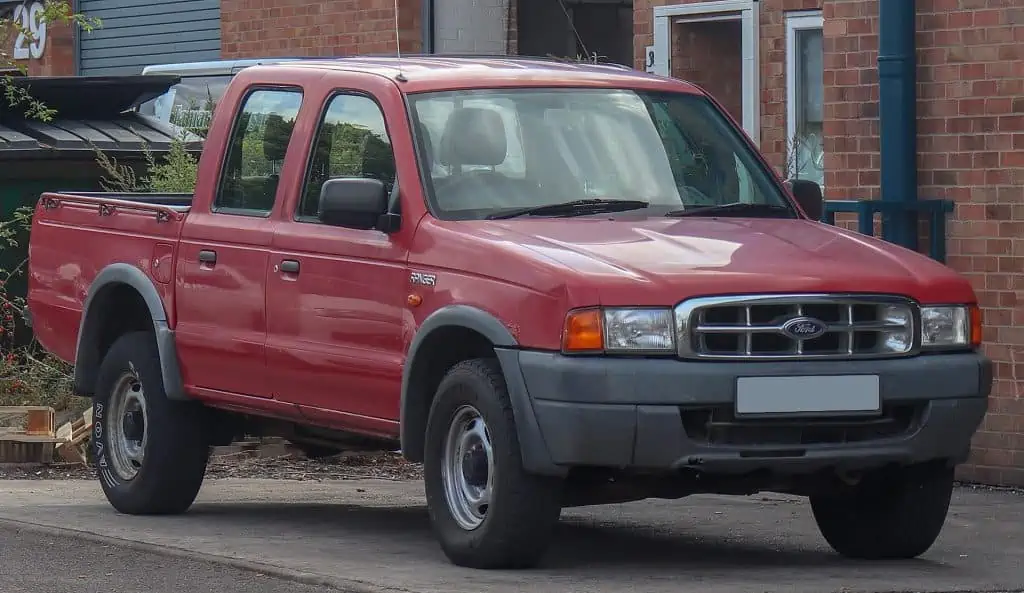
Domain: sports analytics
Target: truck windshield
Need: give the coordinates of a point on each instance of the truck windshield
(494, 150)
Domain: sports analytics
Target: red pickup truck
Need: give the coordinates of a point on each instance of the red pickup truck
(552, 284)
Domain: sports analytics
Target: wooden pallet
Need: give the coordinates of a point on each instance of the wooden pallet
(33, 420)
(74, 439)
(26, 434)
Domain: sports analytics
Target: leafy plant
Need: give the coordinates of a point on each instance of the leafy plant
(28, 376)
(175, 172)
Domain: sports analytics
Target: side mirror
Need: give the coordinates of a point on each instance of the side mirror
(357, 202)
(808, 195)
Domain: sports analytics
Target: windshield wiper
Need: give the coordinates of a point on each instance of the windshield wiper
(574, 208)
(736, 208)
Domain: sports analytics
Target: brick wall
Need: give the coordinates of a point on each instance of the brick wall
(971, 150)
(58, 57)
(266, 28)
(709, 55)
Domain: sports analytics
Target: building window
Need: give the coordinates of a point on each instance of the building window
(805, 92)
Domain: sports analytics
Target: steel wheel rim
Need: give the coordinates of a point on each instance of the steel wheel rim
(127, 426)
(467, 469)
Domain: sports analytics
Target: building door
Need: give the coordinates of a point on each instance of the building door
(713, 44)
(140, 33)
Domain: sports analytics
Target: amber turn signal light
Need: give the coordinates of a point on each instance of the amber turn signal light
(583, 331)
(976, 325)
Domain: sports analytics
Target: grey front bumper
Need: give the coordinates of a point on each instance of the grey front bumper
(632, 413)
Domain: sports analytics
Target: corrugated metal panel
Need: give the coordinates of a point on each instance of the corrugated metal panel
(139, 33)
(127, 133)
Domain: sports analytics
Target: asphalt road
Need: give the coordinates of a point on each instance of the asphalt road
(31, 562)
(373, 536)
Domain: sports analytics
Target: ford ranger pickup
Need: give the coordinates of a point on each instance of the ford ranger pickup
(553, 284)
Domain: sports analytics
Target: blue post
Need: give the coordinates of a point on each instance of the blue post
(897, 114)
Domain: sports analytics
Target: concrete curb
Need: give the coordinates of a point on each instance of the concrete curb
(297, 576)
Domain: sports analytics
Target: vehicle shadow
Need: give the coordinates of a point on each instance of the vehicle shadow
(579, 542)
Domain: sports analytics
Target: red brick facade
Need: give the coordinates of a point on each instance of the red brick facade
(970, 149)
(58, 57)
(258, 28)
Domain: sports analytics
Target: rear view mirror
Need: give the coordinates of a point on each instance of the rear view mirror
(808, 195)
(356, 203)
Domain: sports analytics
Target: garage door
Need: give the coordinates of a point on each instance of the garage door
(138, 33)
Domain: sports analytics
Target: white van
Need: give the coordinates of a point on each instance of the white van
(189, 103)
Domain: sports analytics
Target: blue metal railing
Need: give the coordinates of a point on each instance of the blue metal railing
(899, 205)
(936, 211)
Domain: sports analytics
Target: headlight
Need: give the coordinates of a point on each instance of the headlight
(620, 331)
(898, 337)
(950, 326)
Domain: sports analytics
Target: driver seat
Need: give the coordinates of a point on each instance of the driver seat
(473, 136)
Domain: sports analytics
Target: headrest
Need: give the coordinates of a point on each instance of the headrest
(474, 136)
(276, 136)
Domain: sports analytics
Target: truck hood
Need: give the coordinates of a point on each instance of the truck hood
(659, 261)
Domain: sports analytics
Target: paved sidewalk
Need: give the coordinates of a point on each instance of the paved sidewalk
(374, 536)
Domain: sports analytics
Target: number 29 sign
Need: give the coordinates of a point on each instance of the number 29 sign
(28, 18)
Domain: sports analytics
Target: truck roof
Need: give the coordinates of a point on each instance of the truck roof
(444, 72)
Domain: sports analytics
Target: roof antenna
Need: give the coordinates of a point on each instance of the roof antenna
(398, 46)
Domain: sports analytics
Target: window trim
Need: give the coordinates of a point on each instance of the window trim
(747, 12)
(796, 21)
(324, 108)
(249, 92)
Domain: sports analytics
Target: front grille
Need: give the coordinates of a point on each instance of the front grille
(780, 327)
(719, 426)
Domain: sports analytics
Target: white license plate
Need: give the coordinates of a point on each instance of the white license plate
(837, 394)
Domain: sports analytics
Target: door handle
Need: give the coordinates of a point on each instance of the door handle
(207, 256)
(290, 266)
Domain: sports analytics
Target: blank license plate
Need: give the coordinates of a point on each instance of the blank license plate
(807, 395)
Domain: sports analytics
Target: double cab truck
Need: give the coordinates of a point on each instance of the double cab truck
(553, 284)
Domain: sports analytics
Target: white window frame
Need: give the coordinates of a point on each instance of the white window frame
(745, 11)
(796, 21)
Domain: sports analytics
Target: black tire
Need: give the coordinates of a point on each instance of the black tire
(890, 515)
(176, 449)
(524, 508)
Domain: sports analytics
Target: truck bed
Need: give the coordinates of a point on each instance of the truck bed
(76, 235)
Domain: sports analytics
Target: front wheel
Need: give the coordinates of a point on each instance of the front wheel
(895, 515)
(150, 452)
(485, 509)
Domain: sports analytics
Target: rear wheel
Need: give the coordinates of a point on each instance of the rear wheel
(485, 509)
(891, 515)
(150, 452)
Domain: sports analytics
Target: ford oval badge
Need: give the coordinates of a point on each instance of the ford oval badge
(804, 328)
